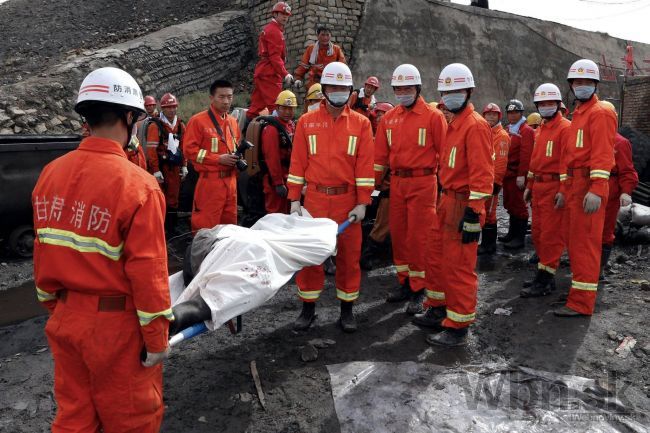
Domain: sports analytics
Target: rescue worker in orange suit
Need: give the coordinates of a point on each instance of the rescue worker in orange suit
(585, 167)
(277, 154)
(211, 139)
(467, 178)
(449, 116)
(333, 154)
(165, 156)
(522, 138)
(363, 100)
(543, 187)
(270, 70)
(100, 269)
(622, 181)
(378, 112)
(135, 152)
(408, 143)
(316, 57)
(150, 105)
(313, 97)
(501, 143)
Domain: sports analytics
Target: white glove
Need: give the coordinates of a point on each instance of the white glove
(288, 79)
(591, 203)
(358, 212)
(521, 182)
(155, 358)
(625, 199)
(559, 200)
(527, 195)
(295, 208)
(297, 84)
(159, 177)
(183, 172)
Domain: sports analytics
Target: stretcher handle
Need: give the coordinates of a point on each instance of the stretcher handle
(187, 333)
(345, 224)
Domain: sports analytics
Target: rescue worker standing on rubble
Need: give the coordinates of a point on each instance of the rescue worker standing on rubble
(522, 138)
(276, 149)
(270, 71)
(409, 140)
(467, 178)
(211, 139)
(501, 143)
(585, 167)
(363, 100)
(333, 154)
(316, 57)
(543, 187)
(100, 268)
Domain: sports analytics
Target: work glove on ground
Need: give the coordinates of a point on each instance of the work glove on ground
(155, 358)
(625, 200)
(591, 203)
(297, 84)
(159, 177)
(288, 79)
(496, 189)
(281, 190)
(183, 172)
(527, 195)
(358, 212)
(559, 200)
(295, 208)
(470, 226)
(521, 182)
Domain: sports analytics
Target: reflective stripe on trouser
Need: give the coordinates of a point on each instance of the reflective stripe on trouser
(171, 187)
(611, 211)
(513, 199)
(99, 385)
(435, 293)
(548, 226)
(381, 229)
(585, 244)
(457, 265)
(265, 91)
(215, 202)
(411, 214)
(311, 279)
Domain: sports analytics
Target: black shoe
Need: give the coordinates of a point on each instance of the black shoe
(518, 240)
(415, 302)
(368, 256)
(565, 311)
(604, 258)
(347, 321)
(307, 316)
(189, 313)
(542, 285)
(400, 293)
(431, 318)
(510, 235)
(488, 240)
(450, 337)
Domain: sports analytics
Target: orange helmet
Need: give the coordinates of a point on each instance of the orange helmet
(282, 7)
(168, 100)
(149, 100)
(373, 81)
(384, 106)
(492, 108)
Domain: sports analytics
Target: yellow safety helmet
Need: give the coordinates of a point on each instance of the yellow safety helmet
(315, 93)
(534, 119)
(609, 105)
(433, 104)
(287, 98)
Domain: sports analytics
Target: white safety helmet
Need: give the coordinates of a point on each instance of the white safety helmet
(336, 74)
(584, 68)
(406, 75)
(455, 77)
(112, 86)
(547, 92)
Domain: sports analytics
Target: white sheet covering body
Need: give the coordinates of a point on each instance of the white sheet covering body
(247, 267)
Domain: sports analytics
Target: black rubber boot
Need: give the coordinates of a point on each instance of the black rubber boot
(450, 337)
(518, 240)
(543, 284)
(508, 237)
(488, 240)
(189, 313)
(431, 318)
(604, 258)
(415, 302)
(400, 293)
(347, 321)
(369, 255)
(307, 316)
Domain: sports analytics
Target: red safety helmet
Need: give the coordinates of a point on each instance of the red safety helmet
(492, 108)
(168, 100)
(282, 7)
(373, 81)
(149, 100)
(384, 106)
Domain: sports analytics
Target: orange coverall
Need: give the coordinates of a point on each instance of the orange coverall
(137, 156)
(322, 59)
(585, 167)
(157, 153)
(467, 177)
(409, 142)
(277, 160)
(334, 157)
(215, 197)
(622, 180)
(366, 100)
(501, 142)
(544, 183)
(100, 268)
(521, 147)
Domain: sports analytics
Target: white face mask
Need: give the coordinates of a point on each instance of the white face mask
(453, 101)
(313, 107)
(338, 99)
(547, 112)
(584, 93)
(405, 100)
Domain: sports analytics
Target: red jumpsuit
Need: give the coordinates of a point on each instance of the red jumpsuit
(215, 196)
(334, 157)
(586, 163)
(366, 100)
(501, 142)
(270, 69)
(521, 147)
(467, 178)
(544, 183)
(136, 155)
(157, 160)
(277, 160)
(322, 59)
(622, 180)
(409, 142)
(100, 268)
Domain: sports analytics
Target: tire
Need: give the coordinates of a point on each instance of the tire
(21, 241)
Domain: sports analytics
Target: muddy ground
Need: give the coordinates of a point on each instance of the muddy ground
(209, 388)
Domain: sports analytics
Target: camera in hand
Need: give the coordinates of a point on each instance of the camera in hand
(240, 153)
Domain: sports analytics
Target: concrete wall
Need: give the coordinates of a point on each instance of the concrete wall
(636, 104)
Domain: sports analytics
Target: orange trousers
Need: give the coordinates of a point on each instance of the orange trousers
(435, 278)
(311, 279)
(215, 201)
(548, 225)
(491, 209)
(171, 187)
(380, 228)
(99, 383)
(584, 241)
(265, 92)
(611, 212)
(273, 203)
(412, 211)
(513, 199)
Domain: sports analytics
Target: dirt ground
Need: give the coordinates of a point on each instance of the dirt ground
(209, 388)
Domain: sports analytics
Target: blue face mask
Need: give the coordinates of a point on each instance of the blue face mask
(547, 112)
(405, 100)
(338, 99)
(453, 101)
(584, 93)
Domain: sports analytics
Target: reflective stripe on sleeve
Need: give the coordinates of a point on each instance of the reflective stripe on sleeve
(365, 181)
(296, 179)
(379, 167)
(476, 195)
(44, 296)
(599, 174)
(145, 317)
